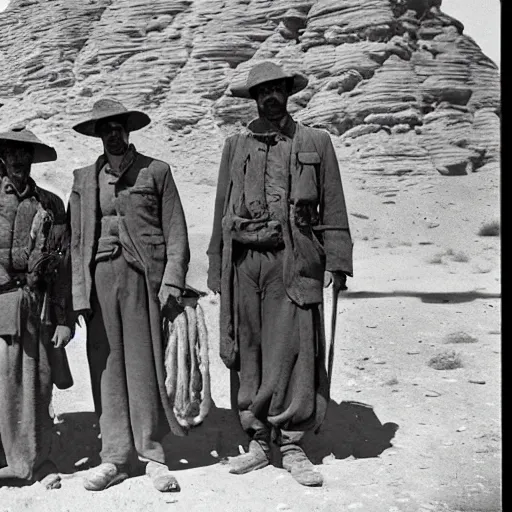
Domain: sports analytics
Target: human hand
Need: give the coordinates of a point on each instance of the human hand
(338, 279)
(213, 285)
(167, 291)
(214, 274)
(170, 297)
(62, 336)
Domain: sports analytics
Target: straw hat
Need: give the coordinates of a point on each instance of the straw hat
(42, 152)
(105, 109)
(267, 72)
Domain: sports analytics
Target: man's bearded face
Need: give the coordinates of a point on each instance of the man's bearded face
(18, 161)
(114, 136)
(272, 98)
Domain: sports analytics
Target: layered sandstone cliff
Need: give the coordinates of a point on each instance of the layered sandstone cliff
(397, 80)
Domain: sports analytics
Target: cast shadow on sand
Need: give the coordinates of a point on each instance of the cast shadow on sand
(76, 444)
(428, 297)
(350, 429)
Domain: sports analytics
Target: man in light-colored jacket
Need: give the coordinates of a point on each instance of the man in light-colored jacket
(130, 255)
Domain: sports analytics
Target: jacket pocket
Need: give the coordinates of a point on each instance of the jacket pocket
(145, 203)
(308, 157)
(309, 252)
(305, 188)
(144, 190)
(143, 194)
(155, 246)
(154, 239)
(309, 255)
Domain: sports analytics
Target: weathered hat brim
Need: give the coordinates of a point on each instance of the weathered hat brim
(134, 119)
(42, 152)
(300, 82)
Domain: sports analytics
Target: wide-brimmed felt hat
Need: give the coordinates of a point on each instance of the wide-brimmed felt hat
(267, 72)
(42, 152)
(107, 108)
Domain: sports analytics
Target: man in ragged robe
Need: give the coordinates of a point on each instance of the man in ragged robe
(35, 296)
(280, 233)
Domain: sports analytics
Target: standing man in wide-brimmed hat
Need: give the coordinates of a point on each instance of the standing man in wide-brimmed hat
(280, 233)
(130, 255)
(35, 318)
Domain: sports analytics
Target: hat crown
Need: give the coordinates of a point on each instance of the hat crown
(268, 71)
(106, 106)
(265, 72)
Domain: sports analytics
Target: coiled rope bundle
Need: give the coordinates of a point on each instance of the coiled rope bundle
(187, 365)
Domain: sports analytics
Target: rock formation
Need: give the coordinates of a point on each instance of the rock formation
(397, 80)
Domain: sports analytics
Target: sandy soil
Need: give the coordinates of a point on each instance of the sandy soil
(422, 273)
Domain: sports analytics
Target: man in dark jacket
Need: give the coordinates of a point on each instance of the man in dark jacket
(280, 234)
(130, 255)
(35, 298)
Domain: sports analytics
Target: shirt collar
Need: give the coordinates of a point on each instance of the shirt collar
(126, 162)
(262, 126)
(29, 190)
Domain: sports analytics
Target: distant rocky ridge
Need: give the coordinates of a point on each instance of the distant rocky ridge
(397, 80)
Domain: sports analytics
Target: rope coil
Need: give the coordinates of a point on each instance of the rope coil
(187, 366)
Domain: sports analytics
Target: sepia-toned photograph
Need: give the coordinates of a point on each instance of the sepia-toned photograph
(250, 256)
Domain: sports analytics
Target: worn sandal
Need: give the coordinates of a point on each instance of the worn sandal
(163, 480)
(104, 476)
(47, 475)
(51, 481)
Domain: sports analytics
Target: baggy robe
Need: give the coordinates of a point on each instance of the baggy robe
(25, 371)
(25, 395)
(315, 180)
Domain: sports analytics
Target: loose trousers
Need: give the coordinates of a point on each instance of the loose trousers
(277, 344)
(122, 366)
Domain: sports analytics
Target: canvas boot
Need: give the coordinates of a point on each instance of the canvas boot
(299, 466)
(256, 458)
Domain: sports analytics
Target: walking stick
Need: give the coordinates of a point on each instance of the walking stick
(336, 287)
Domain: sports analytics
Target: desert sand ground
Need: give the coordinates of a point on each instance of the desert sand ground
(400, 436)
